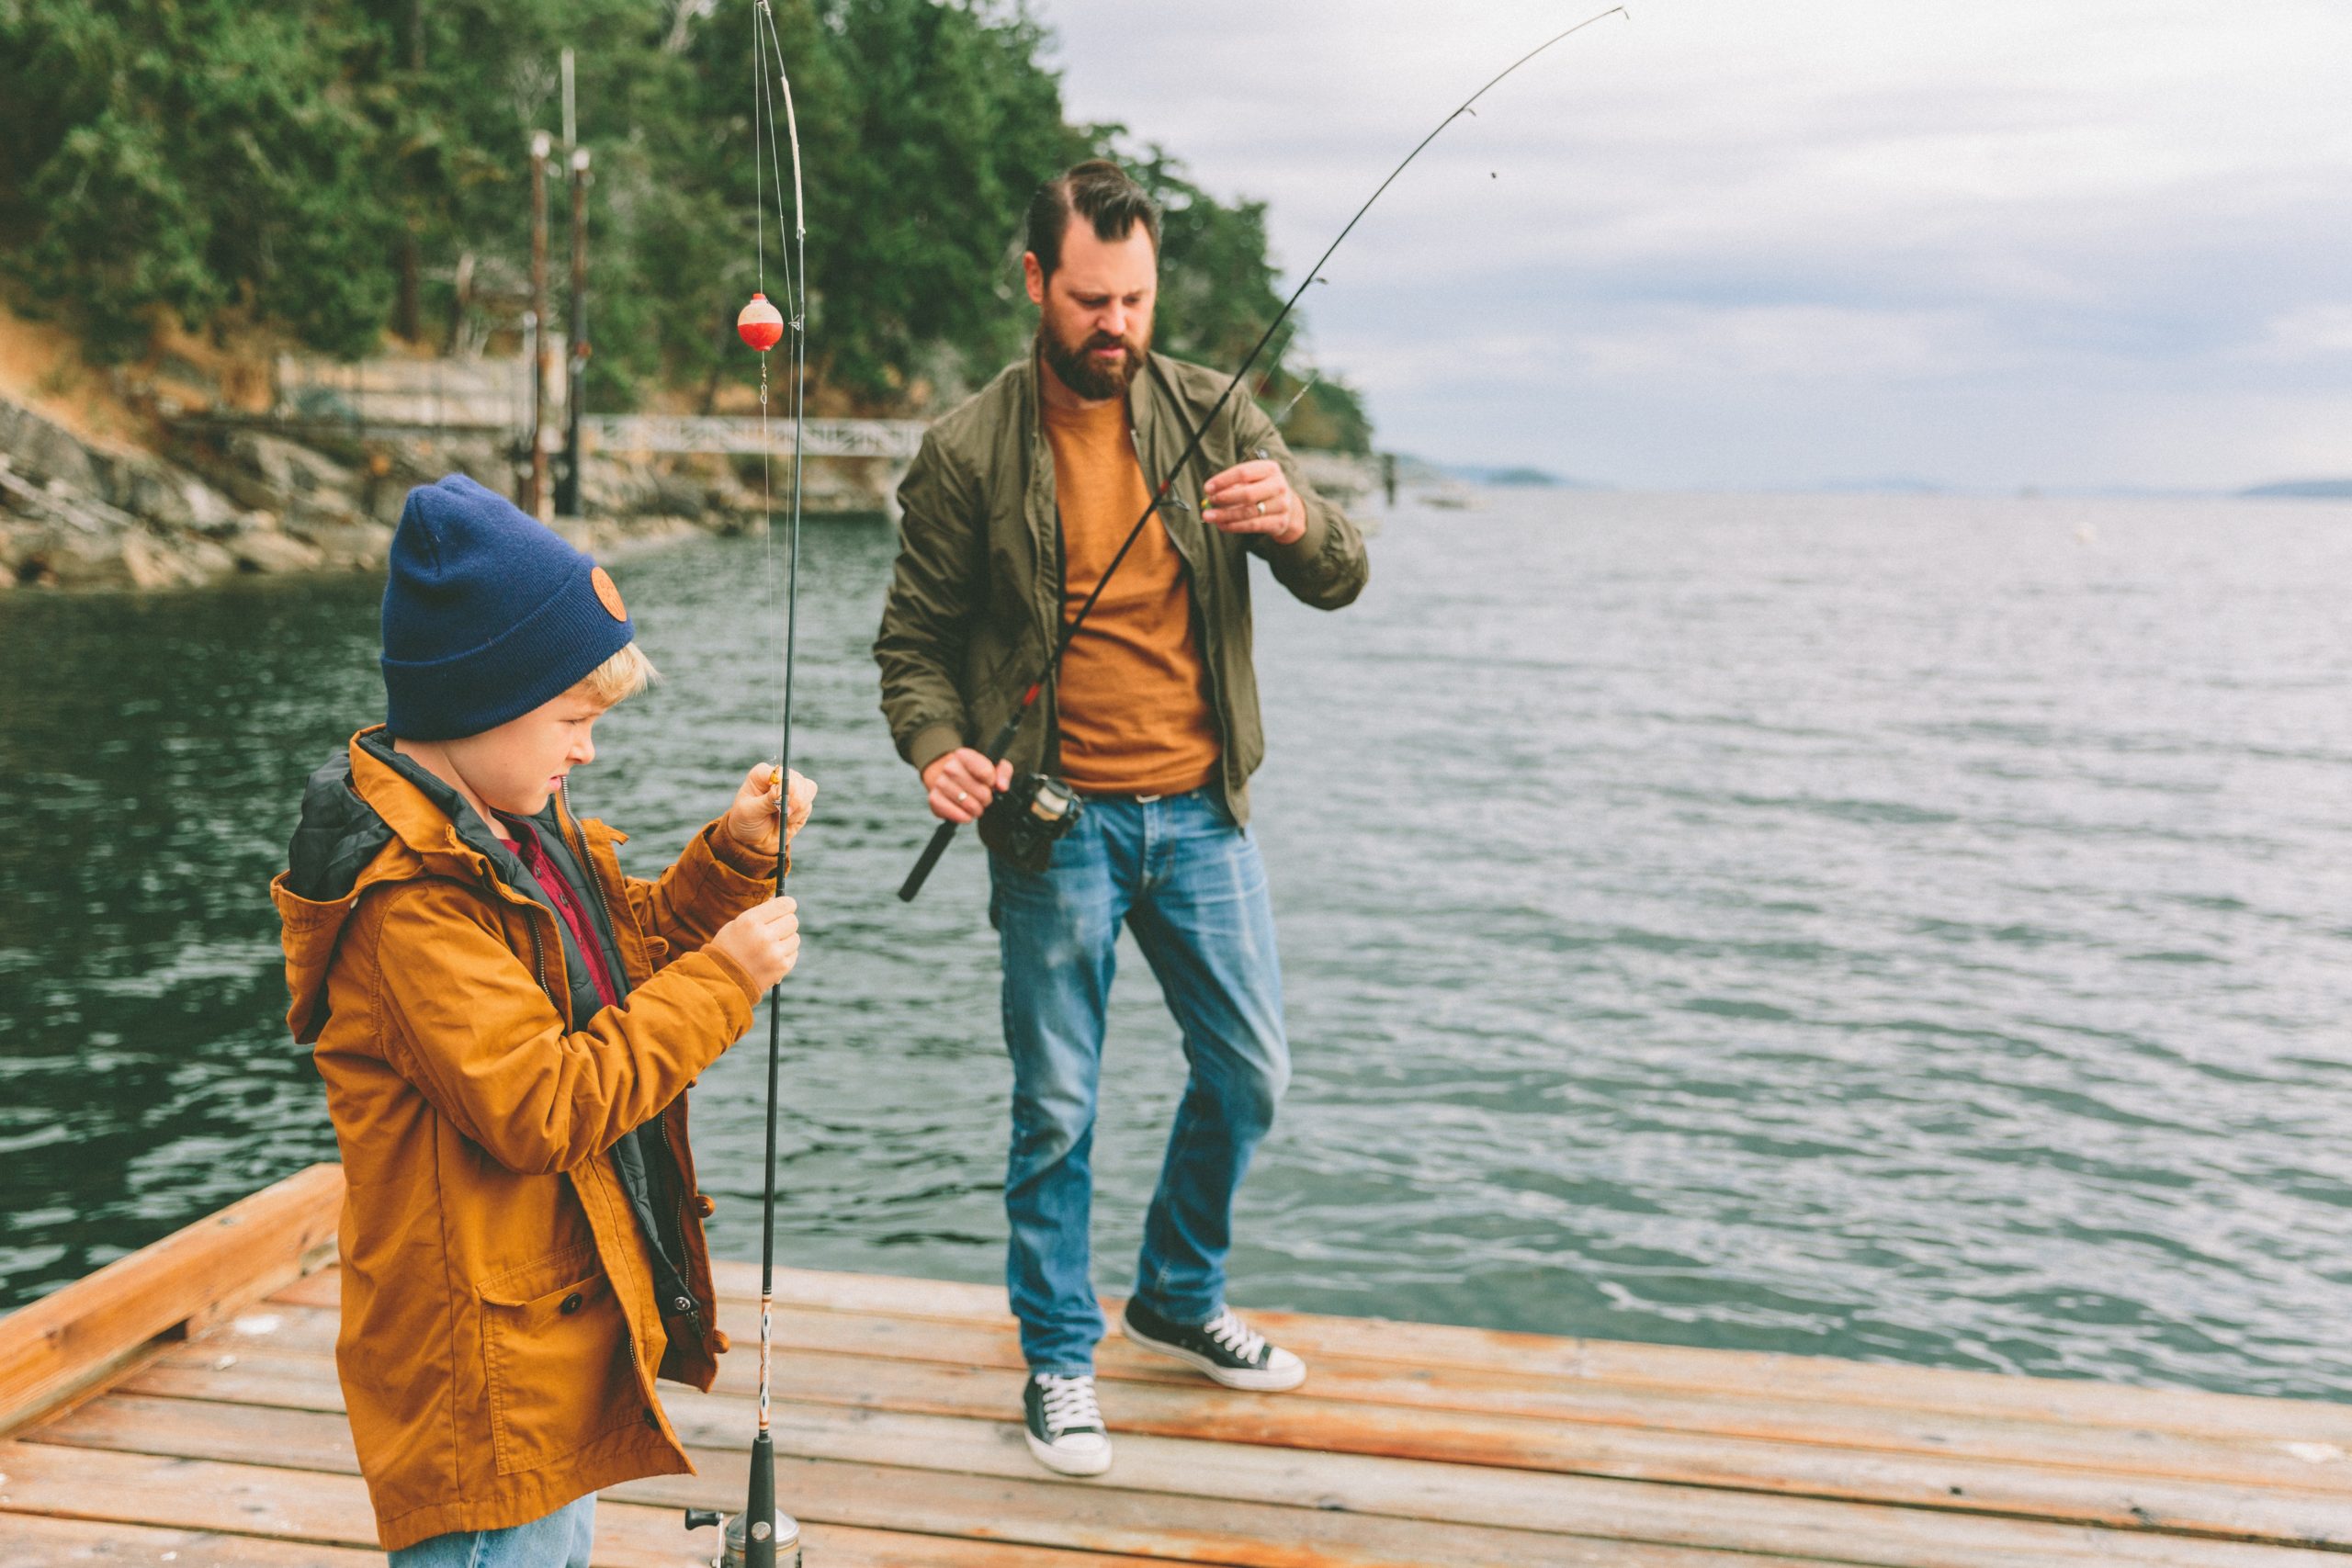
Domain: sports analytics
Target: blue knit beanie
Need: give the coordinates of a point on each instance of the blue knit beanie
(487, 613)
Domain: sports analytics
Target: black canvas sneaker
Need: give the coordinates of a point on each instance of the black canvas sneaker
(1066, 1425)
(1226, 1347)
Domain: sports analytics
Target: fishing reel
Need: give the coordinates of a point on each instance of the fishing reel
(1023, 823)
(781, 1548)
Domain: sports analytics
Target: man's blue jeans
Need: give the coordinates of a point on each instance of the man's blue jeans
(561, 1539)
(1190, 886)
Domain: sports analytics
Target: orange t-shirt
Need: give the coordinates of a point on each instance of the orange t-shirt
(1134, 717)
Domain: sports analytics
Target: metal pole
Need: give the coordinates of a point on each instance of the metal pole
(567, 492)
(542, 348)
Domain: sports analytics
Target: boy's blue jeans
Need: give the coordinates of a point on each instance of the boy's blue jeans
(561, 1539)
(1191, 886)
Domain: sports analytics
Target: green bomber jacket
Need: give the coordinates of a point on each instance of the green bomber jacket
(976, 600)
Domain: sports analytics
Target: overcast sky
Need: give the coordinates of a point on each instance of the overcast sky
(1994, 244)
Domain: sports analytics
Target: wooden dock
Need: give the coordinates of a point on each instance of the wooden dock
(180, 1407)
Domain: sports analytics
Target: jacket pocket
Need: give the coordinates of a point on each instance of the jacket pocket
(555, 1355)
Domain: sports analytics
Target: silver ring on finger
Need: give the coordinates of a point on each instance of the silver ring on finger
(1261, 509)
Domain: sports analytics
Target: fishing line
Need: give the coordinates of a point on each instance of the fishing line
(752, 1539)
(945, 832)
(1283, 417)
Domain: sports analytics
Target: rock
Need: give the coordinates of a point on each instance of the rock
(678, 496)
(269, 471)
(66, 557)
(20, 543)
(355, 547)
(609, 538)
(151, 562)
(162, 493)
(268, 552)
(44, 449)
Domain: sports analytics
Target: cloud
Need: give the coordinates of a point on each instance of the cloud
(2313, 331)
(2001, 242)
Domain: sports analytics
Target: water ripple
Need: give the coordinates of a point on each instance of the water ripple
(1891, 928)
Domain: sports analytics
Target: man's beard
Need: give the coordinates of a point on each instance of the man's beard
(1081, 373)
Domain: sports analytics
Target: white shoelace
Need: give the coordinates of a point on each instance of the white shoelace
(1069, 1404)
(1236, 1336)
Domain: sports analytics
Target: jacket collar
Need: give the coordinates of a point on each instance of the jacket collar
(424, 814)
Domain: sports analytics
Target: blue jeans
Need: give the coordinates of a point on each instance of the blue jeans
(1190, 886)
(559, 1541)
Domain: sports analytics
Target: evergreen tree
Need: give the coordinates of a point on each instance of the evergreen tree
(323, 169)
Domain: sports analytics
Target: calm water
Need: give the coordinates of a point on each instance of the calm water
(1908, 930)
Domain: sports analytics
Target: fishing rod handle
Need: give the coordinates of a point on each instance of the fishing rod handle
(759, 1508)
(944, 833)
(940, 839)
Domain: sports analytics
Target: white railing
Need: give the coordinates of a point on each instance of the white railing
(495, 394)
(895, 440)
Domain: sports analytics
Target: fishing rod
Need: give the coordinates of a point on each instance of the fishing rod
(760, 1537)
(1059, 804)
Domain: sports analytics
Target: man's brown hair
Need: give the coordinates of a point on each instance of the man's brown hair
(1097, 190)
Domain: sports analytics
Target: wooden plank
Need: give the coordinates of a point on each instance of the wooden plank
(264, 1517)
(1180, 1468)
(1036, 1509)
(1427, 1348)
(2280, 1516)
(28, 1540)
(845, 1546)
(1439, 1346)
(2115, 1450)
(312, 1506)
(76, 1335)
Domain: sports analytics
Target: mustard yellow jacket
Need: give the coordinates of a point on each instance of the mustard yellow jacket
(501, 1334)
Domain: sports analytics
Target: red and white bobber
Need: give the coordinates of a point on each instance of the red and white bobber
(759, 323)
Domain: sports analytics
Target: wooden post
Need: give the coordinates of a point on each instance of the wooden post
(567, 493)
(539, 500)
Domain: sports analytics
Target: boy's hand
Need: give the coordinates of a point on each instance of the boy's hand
(764, 941)
(751, 819)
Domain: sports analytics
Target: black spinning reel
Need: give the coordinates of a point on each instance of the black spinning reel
(1023, 823)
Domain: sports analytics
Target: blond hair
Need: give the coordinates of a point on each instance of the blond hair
(623, 675)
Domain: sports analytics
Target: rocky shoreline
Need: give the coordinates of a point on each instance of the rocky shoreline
(231, 498)
(236, 501)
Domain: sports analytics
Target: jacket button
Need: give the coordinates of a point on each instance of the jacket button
(704, 1206)
(572, 1304)
(653, 1420)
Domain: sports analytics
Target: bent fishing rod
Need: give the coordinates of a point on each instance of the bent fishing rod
(756, 1536)
(945, 832)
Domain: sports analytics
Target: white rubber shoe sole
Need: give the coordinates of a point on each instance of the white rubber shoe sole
(1089, 1454)
(1282, 1372)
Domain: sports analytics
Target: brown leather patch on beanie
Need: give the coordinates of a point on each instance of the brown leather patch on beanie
(608, 595)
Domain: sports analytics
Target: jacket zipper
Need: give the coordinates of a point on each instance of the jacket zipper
(539, 951)
(539, 970)
(660, 1129)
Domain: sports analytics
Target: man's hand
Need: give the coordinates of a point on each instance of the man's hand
(763, 941)
(961, 784)
(751, 817)
(1255, 498)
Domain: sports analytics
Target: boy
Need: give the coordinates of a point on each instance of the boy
(507, 1026)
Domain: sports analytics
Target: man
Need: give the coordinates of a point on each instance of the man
(1012, 512)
